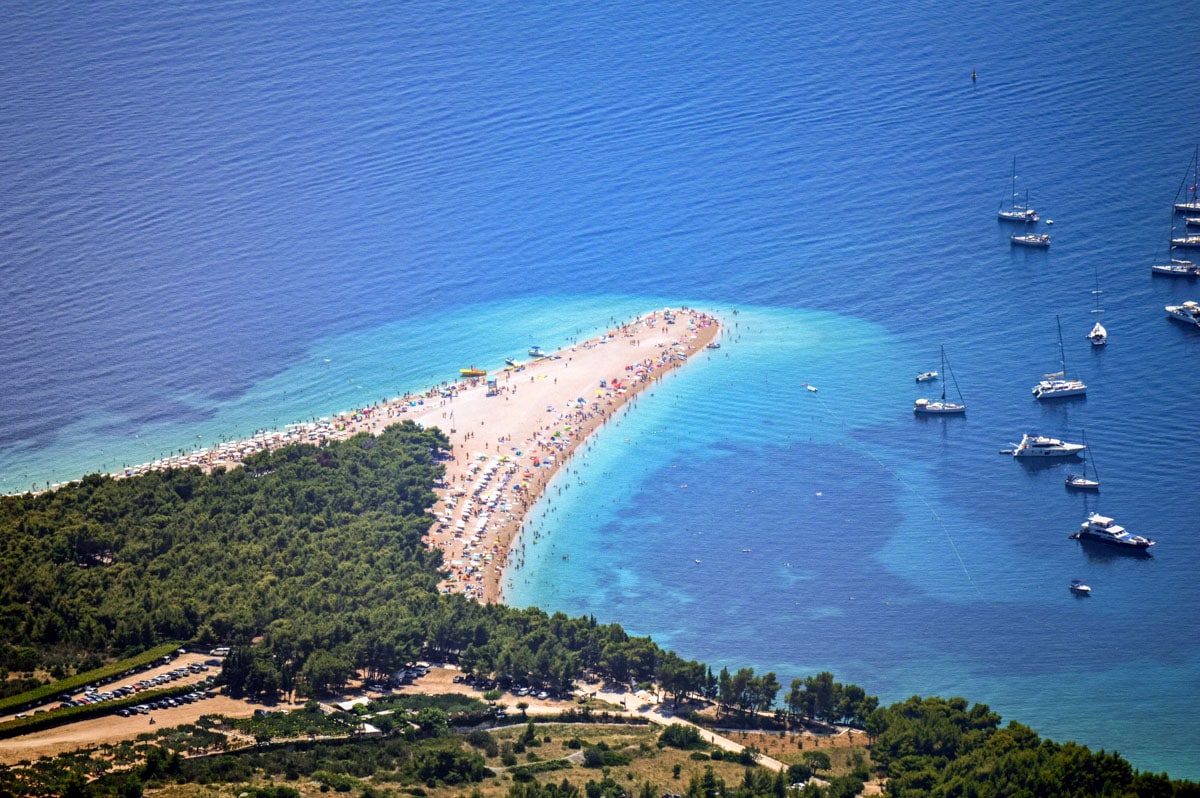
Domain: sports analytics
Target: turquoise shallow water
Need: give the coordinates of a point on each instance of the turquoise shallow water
(221, 219)
(802, 530)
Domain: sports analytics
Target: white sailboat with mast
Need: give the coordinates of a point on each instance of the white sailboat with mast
(1098, 336)
(941, 406)
(1016, 212)
(1028, 239)
(1186, 201)
(1173, 266)
(1058, 385)
(1081, 481)
(1191, 200)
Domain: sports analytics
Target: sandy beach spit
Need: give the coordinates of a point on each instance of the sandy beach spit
(510, 431)
(508, 443)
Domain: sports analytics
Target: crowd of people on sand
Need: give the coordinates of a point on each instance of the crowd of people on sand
(482, 506)
(479, 515)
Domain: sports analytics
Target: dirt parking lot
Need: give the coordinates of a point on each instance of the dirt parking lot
(112, 728)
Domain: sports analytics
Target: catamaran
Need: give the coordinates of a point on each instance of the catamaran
(1058, 385)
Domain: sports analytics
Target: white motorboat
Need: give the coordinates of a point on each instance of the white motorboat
(1044, 446)
(1058, 385)
(1098, 336)
(1187, 240)
(1079, 588)
(927, 376)
(941, 406)
(1016, 212)
(1103, 529)
(1188, 312)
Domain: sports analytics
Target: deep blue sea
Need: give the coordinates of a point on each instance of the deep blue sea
(224, 217)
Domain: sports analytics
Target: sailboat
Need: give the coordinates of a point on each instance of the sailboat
(941, 406)
(1028, 239)
(1081, 481)
(1189, 240)
(1191, 202)
(1015, 212)
(1173, 266)
(1057, 385)
(1098, 336)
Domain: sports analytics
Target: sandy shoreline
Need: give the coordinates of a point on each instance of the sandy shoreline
(507, 440)
(508, 446)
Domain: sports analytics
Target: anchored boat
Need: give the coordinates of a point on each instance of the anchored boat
(1102, 529)
(941, 406)
(1016, 212)
(1044, 446)
(1188, 312)
(1081, 481)
(1057, 385)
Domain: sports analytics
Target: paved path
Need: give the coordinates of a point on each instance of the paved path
(646, 707)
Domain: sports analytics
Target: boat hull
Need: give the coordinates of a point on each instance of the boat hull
(1142, 546)
(938, 408)
(1059, 389)
(1035, 241)
(1176, 268)
(1040, 453)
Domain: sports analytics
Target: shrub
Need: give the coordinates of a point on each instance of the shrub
(679, 736)
(798, 774)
